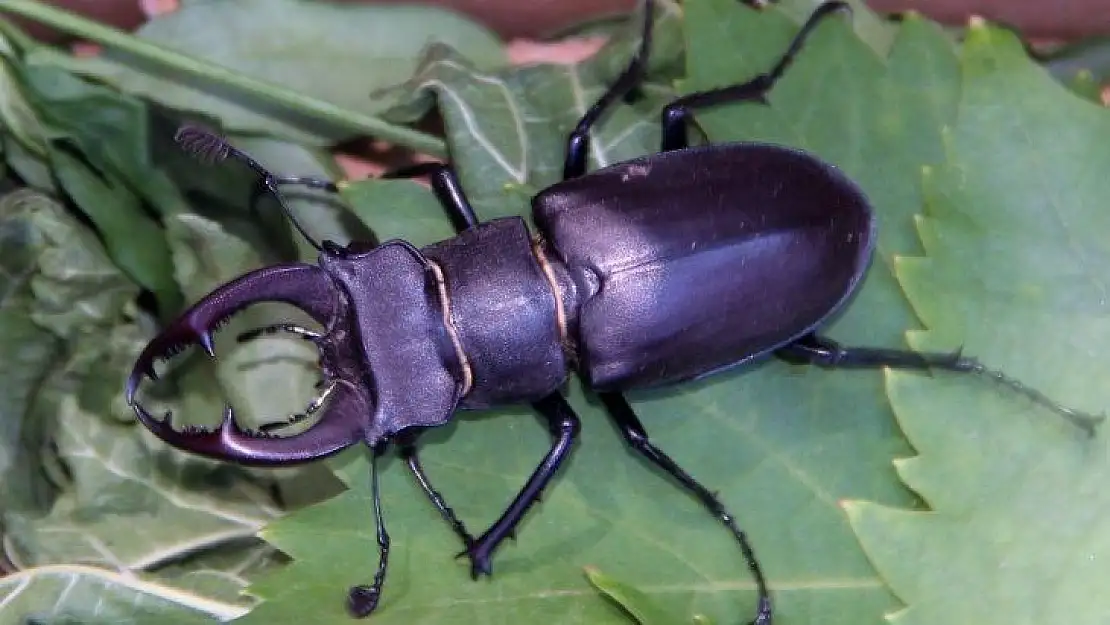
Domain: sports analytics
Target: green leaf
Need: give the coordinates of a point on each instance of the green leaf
(136, 242)
(1015, 270)
(91, 143)
(67, 595)
(339, 53)
(28, 353)
(781, 445)
(113, 499)
(639, 606)
(399, 209)
(131, 507)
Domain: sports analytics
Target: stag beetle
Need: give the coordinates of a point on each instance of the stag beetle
(653, 271)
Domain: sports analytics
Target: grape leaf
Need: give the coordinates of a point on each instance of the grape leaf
(1016, 270)
(781, 445)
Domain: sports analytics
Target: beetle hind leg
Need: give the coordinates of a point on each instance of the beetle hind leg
(679, 113)
(827, 353)
(636, 436)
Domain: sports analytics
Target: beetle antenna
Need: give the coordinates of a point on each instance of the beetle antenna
(209, 147)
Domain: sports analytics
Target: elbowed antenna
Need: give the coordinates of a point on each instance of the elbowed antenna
(209, 147)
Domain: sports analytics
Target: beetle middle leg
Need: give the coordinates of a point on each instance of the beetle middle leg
(817, 350)
(622, 414)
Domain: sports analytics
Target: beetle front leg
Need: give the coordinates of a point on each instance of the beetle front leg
(622, 414)
(564, 426)
(447, 188)
(827, 353)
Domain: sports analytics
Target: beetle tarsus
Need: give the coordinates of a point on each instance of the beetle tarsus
(622, 414)
(763, 614)
(480, 554)
(363, 600)
(829, 354)
(1084, 421)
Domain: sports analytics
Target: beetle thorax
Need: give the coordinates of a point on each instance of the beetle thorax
(502, 313)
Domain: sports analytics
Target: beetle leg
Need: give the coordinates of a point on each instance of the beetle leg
(362, 600)
(827, 353)
(409, 455)
(622, 414)
(578, 143)
(677, 114)
(447, 188)
(564, 426)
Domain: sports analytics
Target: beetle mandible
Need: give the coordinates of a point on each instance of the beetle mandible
(630, 281)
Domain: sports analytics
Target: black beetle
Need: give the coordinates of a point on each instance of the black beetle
(652, 271)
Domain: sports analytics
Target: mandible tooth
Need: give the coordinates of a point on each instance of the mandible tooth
(206, 342)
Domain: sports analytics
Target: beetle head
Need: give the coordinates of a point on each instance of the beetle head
(384, 351)
(309, 288)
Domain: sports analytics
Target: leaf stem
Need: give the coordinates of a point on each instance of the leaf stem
(109, 37)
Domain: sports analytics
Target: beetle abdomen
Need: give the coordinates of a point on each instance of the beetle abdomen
(689, 261)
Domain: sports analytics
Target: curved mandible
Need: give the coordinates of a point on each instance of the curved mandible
(340, 427)
(307, 287)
